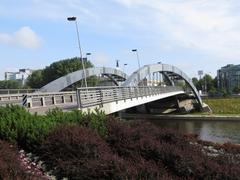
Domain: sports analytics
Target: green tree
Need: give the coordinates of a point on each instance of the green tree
(195, 81)
(11, 84)
(58, 69)
(63, 67)
(207, 83)
(35, 80)
(236, 89)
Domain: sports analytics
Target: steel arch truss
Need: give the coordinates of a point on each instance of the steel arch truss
(171, 72)
(63, 82)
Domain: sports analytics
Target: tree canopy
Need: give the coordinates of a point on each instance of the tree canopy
(35, 80)
(207, 84)
(56, 70)
(10, 84)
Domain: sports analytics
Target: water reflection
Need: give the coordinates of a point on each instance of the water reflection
(216, 131)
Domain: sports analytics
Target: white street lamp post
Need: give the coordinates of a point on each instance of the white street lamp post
(88, 54)
(135, 50)
(79, 46)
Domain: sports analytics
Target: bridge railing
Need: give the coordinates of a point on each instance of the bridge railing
(13, 96)
(94, 96)
(10, 99)
(48, 99)
(16, 91)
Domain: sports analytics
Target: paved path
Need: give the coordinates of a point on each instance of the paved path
(201, 117)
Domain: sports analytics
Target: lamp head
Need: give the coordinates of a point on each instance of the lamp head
(71, 18)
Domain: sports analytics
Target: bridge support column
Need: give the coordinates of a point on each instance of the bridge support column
(147, 109)
(177, 103)
(144, 108)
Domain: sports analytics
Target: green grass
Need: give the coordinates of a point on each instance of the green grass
(224, 105)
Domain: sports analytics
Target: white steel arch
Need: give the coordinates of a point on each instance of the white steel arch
(167, 70)
(69, 79)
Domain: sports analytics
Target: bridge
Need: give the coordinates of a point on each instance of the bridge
(148, 84)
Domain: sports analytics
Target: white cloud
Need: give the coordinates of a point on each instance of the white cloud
(24, 37)
(212, 27)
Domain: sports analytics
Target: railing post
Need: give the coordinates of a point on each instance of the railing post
(54, 100)
(27, 101)
(63, 99)
(72, 98)
(43, 101)
(135, 92)
(79, 104)
(123, 93)
(115, 96)
(101, 96)
(130, 94)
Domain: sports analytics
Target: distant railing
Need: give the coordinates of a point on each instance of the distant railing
(17, 91)
(94, 96)
(10, 99)
(13, 96)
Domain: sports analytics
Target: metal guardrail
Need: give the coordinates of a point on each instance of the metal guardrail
(94, 96)
(48, 99)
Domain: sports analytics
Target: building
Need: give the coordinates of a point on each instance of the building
(229, 77)
(21, 75)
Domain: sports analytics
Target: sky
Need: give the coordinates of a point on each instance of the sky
(190, 34)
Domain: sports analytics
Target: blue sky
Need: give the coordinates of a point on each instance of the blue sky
(190, 34)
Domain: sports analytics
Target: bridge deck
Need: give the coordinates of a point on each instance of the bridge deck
(114, 99)
(108, 99)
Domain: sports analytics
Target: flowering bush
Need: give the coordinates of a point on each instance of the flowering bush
(170, 151)
(80, 153)
(10, 166)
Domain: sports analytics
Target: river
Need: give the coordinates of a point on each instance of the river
(215, 131)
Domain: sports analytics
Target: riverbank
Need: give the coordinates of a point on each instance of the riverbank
(228, 105)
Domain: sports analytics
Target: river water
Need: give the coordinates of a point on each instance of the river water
(215, 131)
